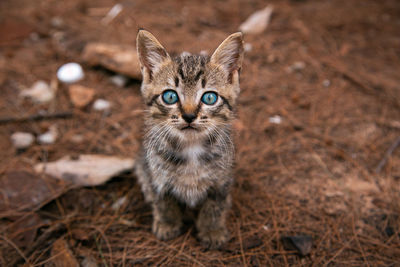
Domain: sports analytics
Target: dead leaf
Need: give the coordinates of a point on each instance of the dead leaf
(301, 243)
(61, 255)
(86, 170)
(23, 231)
(80, 95)
(80, 234)
(257, 22)
(22, 191)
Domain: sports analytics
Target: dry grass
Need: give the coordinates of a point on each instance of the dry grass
(312, 174)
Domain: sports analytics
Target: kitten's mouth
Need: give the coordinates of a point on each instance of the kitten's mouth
(188, 128)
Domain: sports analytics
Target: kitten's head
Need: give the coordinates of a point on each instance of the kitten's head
(190, 94)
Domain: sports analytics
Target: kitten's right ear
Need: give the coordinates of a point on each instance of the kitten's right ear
(151, 53)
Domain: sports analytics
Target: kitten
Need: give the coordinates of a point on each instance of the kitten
(188, 153)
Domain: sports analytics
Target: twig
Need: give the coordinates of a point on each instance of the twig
(40, 241)
(241, 246)
(388, 153)
(17, 249)
(37, 117)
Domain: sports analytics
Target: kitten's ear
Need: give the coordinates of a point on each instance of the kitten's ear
(151, 53)
(229, 54)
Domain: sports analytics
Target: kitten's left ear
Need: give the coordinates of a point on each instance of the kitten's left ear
(229, 54)
(151, 53)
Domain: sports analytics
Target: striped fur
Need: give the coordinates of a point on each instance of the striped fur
(182, 167)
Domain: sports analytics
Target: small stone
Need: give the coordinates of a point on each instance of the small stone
(77, 138)
(296, 66)
(326, 83)
(22, 140)
(70, 73)
(34, 36)
(248, 47)
(48, 137)
(40, 92)
(119, 80)
(275, 119)
(81, 96)
(57, 22)
(101, 105)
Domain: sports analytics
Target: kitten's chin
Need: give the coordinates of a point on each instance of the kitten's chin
(190, 132)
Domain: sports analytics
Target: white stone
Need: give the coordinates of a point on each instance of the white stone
(101, 105)
(70, 73)
(275, 119)
(296, 67)
(77, 138)
(22, 140)
(326, 83)
(48, 137)
(57, 22)
(119, 80)
(40, 92)
(248, 47)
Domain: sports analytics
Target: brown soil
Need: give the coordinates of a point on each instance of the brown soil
(314, 174)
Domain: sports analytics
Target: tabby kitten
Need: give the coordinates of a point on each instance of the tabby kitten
(187, 157)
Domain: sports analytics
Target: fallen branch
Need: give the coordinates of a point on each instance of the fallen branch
(37, 117)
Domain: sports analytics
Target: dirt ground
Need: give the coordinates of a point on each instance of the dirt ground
(330, 69)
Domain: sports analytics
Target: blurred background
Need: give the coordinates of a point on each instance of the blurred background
(317, 132)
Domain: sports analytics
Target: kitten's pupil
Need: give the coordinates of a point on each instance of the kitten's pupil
(209, 98)
(170, 97)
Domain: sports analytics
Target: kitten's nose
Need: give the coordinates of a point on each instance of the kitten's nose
(189, 117)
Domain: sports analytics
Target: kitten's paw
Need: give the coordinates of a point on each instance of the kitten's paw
(213, 239)
(164, 231)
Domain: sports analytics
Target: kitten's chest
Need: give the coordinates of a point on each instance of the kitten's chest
(190, 179)
(192, 154)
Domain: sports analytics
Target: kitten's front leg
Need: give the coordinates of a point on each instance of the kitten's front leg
(167, 218)
(210, 223)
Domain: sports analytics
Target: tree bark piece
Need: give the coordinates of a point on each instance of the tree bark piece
(120, 59)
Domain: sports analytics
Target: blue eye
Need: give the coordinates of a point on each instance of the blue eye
(170, 97)
(209, 98)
